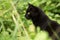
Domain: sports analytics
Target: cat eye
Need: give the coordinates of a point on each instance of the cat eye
(28, 13)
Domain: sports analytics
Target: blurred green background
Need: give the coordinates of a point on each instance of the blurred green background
(14, 25)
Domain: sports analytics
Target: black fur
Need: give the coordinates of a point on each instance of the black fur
(39, 18)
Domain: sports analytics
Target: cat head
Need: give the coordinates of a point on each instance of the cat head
(32, 11)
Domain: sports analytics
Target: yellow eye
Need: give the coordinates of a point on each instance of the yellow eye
(28, 13)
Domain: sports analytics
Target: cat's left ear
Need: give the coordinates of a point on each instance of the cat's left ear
(32, 6)
(29, 4)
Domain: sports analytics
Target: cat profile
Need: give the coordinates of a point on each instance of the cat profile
(40, 19)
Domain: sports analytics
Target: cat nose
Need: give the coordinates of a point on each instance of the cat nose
(27, 17)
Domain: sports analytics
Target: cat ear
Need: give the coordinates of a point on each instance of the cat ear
(30, 5)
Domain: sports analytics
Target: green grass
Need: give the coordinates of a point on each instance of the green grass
(12, 20)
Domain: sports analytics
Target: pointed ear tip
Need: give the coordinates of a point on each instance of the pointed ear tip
(29, 4)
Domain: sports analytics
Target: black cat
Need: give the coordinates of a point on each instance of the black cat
(39, 18)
